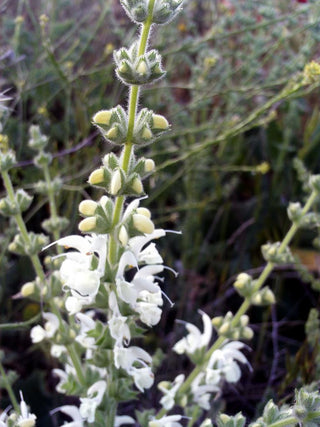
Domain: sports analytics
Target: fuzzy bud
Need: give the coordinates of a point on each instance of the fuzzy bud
(142, 223)
(115, 184)
(144, 211)
(88, 224)
(96, 177)
(137, 186)
(88, 207)
(123, 235)
(149, 165)
(27, 289)
(102, 117)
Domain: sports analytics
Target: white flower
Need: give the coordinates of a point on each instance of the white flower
(25, 419)
(143, 377)
(73, 412)
(63, 376)
(89, 404)
(195, 339)
(125, 357)
(150, 314)
(201, 391)
(167, 401)
(73, 305)
(38, 333)
(223, 363)
(57, 350)
(86, 325)
(167, 421)
(123, 419)
(119, 329)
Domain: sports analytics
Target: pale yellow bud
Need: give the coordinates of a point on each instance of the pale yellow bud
(72, 334)
(88, 224)
(142, 68)
(247, 333)
(164, 385)
(123, 235)
(149, 165)
(159, 122)
(87, 207)
(123, 67)
(224, 328)
(115, 184)
(137, 186)
(96, 177)
(244, 320)
(112, 133)
(143, 224)
(44, 290)
(27, 289)
(224, 418)
(216, 321)
(58, 302)
(144, 211)
(257, 299)
(146, 134)
(269, 296)
(102, 117)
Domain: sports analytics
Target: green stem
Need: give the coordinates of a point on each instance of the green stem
(246, 303)
(19, 325)
(52, 201)
(8, 387)
(22, 227)
(128, 148)
(284, 423)
(76, 363)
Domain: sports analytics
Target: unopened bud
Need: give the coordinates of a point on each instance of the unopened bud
(137, 186)
(247, 333)
(224, 328)
(149, 165)
(159, 122)
(102, 117)
(112, 133)
(144, 211)
(146, 133)
(27, 289)
(96, 177)
(123, 235)
(142, 223)
(88, 224)
(87, 207)
(115, 184)
(142, 68)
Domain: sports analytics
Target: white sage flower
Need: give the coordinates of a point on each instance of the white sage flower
(86, 324)
(202, 392)
(123, 419)
(170, 391)
(39, 333)
(25, 419)
(167, 421)
(72, 412)
(223, 363)
(89, 404)
(195, 339)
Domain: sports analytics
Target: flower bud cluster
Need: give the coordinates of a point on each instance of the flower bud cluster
(225, 328)
(55, 185)
(225, 420)
(163, 12)
(21, 203)
(37, 141)
(264, 296)
(98, 216)
(135, 69)
(53, 224)
(314, 183)
(35, 245)
(244, 285)
(7, 160)
(271, 253)
(113, 124)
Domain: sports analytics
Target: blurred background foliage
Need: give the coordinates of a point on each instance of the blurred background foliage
(225, 173)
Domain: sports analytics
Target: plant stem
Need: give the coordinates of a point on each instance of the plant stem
(128, 148)
(22, 227)
(52, 201)
(76, 363)
(10, 392)
(285, 423)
